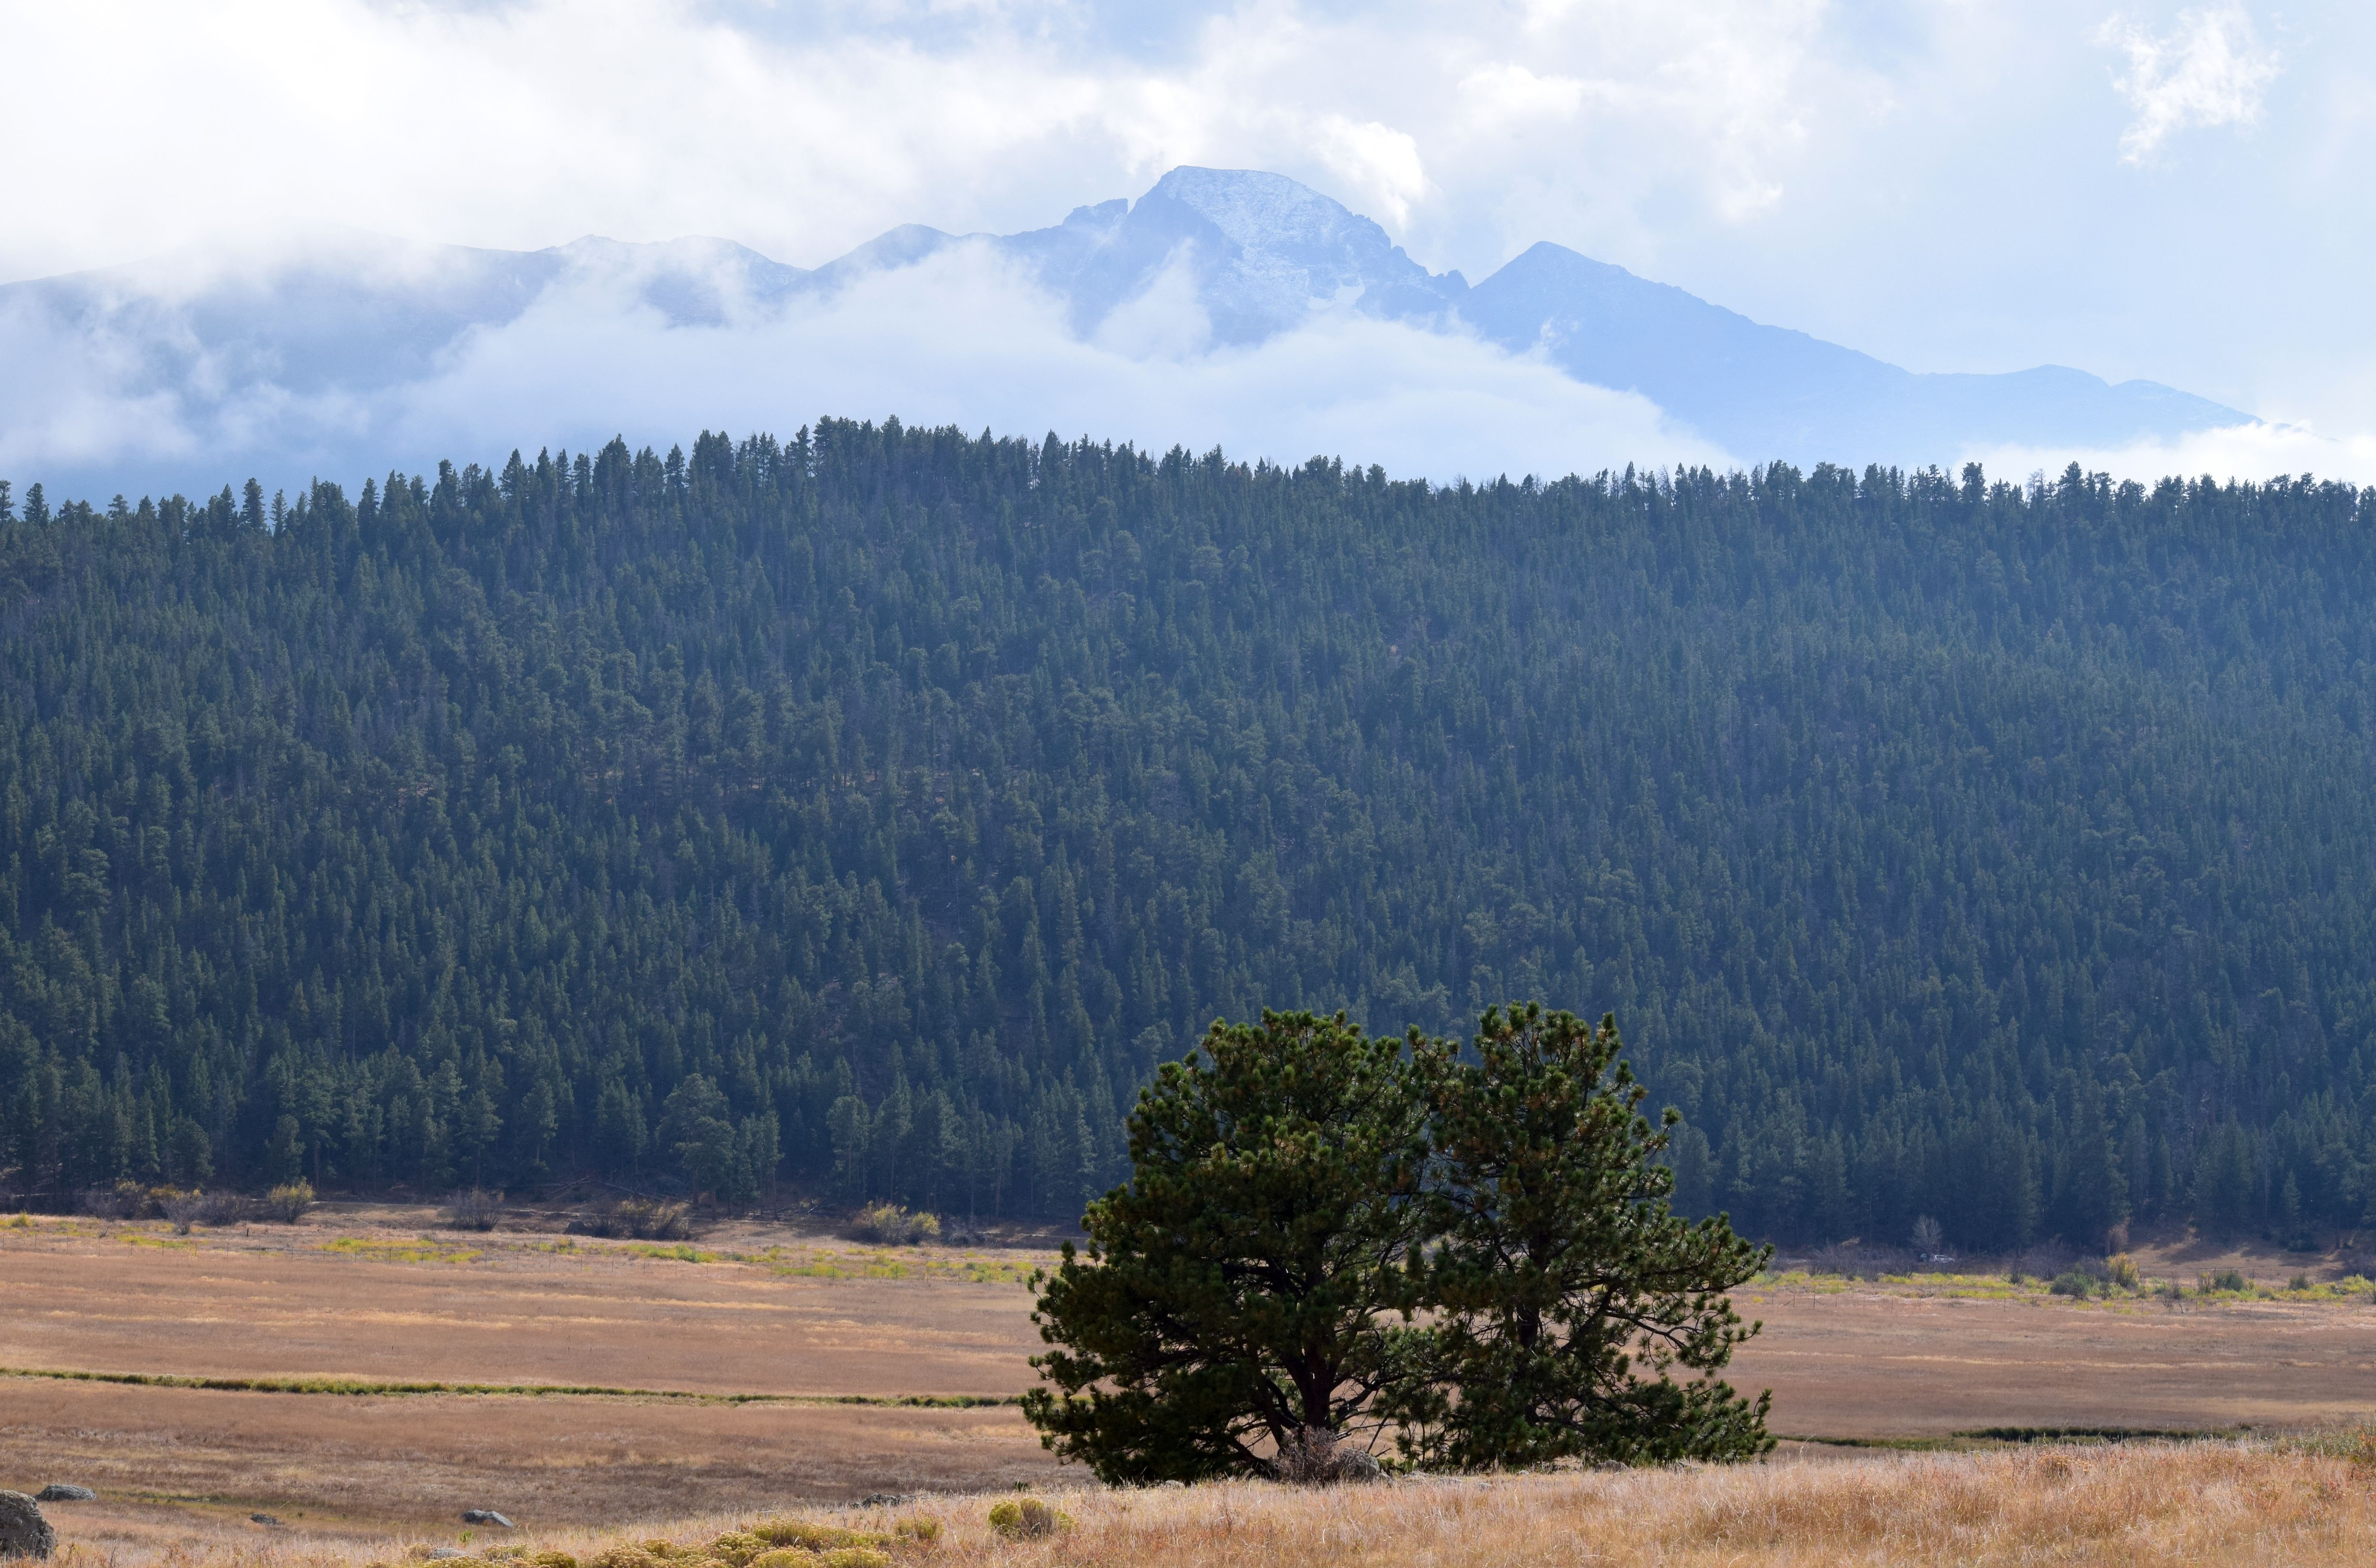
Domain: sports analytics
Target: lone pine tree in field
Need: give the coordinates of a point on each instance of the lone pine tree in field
(1326, 1236)
(1563, 1291)
(1244, 1289)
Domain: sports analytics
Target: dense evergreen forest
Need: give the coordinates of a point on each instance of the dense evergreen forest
(870, 813)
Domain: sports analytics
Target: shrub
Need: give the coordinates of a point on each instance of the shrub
(890, 1225)
(2298, 1282)
(804, 1535)
(625, 1556)
(923, 1531)
(2226, 1279)
(2070, 1282)
(644, 1220)
(186, 1209)
(737, 1548)
(123, 1201)
(288, 1202)
(2121, 1270)
(476, 1209)
(1023, 1518)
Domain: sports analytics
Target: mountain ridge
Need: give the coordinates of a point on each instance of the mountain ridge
(1259, 256)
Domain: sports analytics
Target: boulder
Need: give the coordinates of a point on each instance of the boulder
(486, 1517)
(440, 1553)
(23, 1531)
(1320, 1457)
(884, 1500)
(266, 1519)
(61, 1491)
(1358, 1465)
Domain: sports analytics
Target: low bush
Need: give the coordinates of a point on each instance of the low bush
(476, 1209)
(288, 1202)
(2070, 1282)
(123, 1201)
(890, 1225)
(642, 1219)
(2121, 1270)
(186, 1209)
(1023, 1518)
(2226, 1279)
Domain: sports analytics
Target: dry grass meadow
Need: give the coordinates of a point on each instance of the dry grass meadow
(2141, 1504)
(760, 1371)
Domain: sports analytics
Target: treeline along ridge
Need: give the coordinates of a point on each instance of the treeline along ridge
(874, 811)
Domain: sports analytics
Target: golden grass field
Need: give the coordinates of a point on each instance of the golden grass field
(729, 1355)
(2133, 1504)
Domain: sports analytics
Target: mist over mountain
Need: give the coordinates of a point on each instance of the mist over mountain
(1233, 307)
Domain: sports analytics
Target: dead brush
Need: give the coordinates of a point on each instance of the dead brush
(187, 1209)
(474, 1209)
(641, 1219)
(890, 1225)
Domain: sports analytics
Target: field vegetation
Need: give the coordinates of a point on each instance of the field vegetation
(2137, 1505)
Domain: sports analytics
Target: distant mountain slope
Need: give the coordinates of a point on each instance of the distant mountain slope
(306, 365)
(1762, 390)
(876, 810)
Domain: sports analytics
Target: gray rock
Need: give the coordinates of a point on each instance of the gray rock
(23, 1531)
(439, 1553)
(60, 1492)
(266, 1519)
(486, 1517)
(1355, 1466)
(884, 1500)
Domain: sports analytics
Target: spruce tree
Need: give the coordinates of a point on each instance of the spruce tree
(1240, 1296)
(1563, 1293)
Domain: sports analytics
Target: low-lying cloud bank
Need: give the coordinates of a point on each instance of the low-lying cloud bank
(142, 388)
(2248, 452)
(962, 337)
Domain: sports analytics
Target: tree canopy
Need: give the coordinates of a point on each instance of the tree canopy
(876, 809)
(1240, 1288)
(1297, 1188)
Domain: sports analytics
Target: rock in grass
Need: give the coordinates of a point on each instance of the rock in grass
(60, 1492)
(884, 1500)
(1357, 1467)
(486, 1517)
(440, 1553)
(266, 1519)
(23, 1531)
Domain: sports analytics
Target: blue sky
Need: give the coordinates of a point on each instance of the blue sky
(2173, 192)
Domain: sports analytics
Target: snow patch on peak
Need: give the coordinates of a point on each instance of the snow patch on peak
(1262, 211)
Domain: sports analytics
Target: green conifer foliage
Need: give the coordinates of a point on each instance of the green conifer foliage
(1561, 1292)
(1948, 848)
(1241, 1290)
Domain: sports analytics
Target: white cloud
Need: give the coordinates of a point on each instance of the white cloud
(2210, 70)
(1899, 175)
(2246, 452)
(961, 339)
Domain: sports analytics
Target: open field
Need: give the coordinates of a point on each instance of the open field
(732, 1348)
(2140, 1505)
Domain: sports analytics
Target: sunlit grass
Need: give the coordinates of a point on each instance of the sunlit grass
(424, 1249)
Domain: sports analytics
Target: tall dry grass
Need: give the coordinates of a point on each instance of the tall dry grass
(2132, 1504)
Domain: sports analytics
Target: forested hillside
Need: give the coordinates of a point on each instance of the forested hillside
(870, 811)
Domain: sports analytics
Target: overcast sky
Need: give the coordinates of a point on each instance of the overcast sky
(2179, 193)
